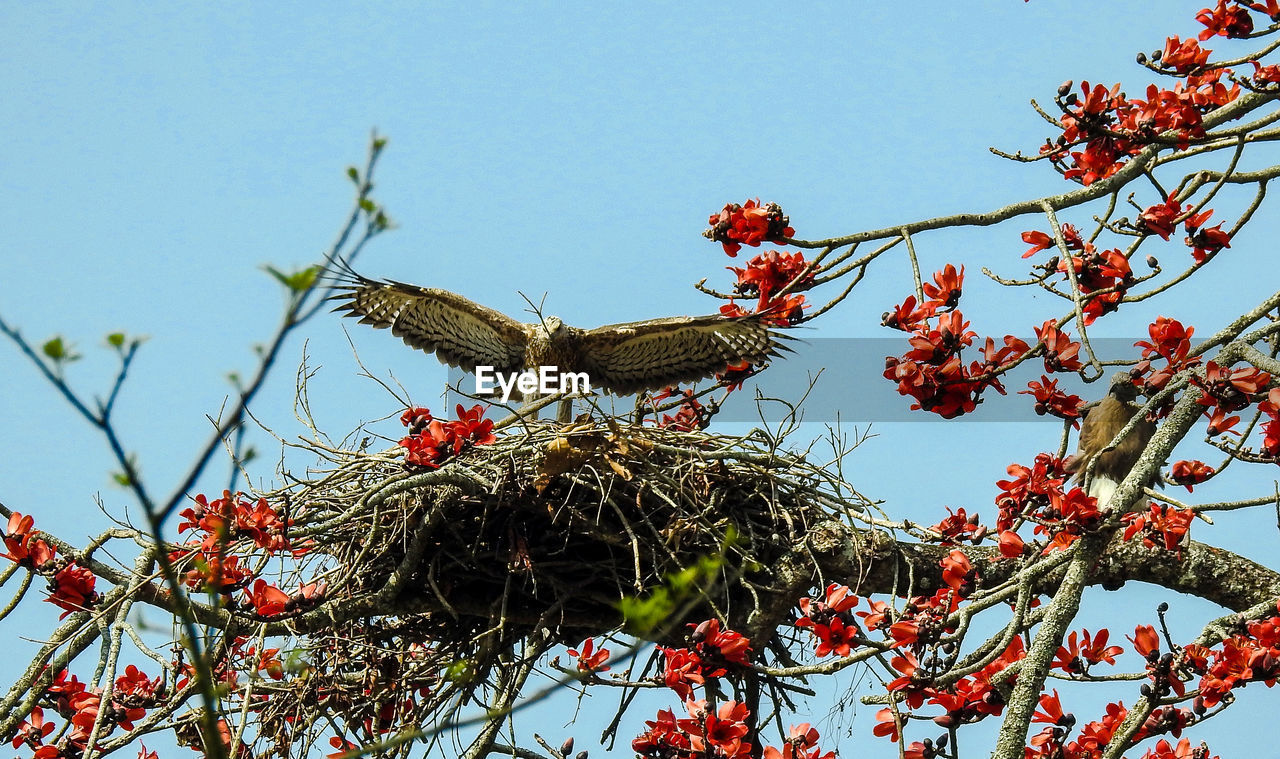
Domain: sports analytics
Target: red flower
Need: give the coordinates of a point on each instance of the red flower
(1263, 75)
(1011, 546)
(1226, 20)
(682, 671)
(73, 589)
(345, 748)
(1159, 525)
(801, 743)
(1205, 241)
(1160, 218)
(1038, 240)
(1190, 473)
(1145, 641)
(691, 416)
(1079, 652)
(21, 545)
(958, 573)
(1183, 56)
(769, 272)
(664, 738)
(722, 730)
(267, 600)
(1061, 353)
(946, 293)
(955, 527)
(416, 418)
(720, 646)
(907, 317)
(1051, 710)
(748, 224)
(33, 730)
(589, 661)
(886, 724)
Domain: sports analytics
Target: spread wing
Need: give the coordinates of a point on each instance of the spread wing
(460, 332)
(653, 354)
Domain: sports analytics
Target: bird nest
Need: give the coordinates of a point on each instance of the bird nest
(560, 528)
(435, 577)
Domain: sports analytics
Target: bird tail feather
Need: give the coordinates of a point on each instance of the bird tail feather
(1102, 488)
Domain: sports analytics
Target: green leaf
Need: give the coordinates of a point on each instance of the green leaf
(55, 349)
(459, 671)
(116, 340)
(380, 143)
(59, 351)
(367, 205)
(249, 454)
(298, 281)
(121, 479)
(353, 174)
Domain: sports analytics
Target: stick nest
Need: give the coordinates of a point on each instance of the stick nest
(553, 527)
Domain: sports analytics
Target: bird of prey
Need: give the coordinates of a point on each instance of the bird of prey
(1102, 423)
(621, 358)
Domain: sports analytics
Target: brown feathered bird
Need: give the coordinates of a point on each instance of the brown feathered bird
(1102, 423)
(621, 358)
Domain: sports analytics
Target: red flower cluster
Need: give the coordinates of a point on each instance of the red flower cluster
(1103, 276)
(705, 733)
(1038, 494)
(958, 526)
(1112, 127)
(1052, 743)
(721, 733)
(1170, 341)
(1159, 525)
(1029, 490)
(767, 274)
(1204, 241)
(1051, 400)
(970, 699)
(932, 372)
(133, 693)
(712, 652)
(22, 546)
(1252, 655)
(233, 517)
(431, 440)
(1226, 390)
(691, 415)
(1162, 218)
(750, 223)
(71, 586)
(830, 621)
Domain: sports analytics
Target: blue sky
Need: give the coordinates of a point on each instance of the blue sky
(154, 157)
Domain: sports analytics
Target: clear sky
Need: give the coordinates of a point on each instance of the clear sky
(155, 156)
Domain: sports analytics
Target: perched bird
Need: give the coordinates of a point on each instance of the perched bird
(1102, 423)
(620, 358)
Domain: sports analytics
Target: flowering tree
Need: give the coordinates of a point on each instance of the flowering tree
(364, 606)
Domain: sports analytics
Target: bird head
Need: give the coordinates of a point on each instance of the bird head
(1123, 388)
(553, 325)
